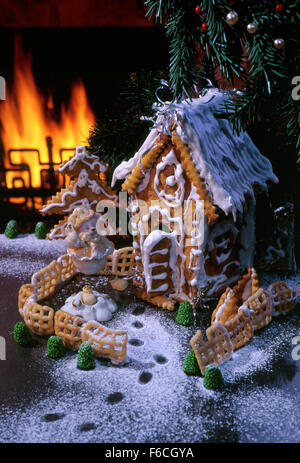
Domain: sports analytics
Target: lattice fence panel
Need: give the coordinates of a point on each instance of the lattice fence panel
(217, 349)
(283, 298)
(68, 268)
(39, 318)
(123, 264)
(106, 342)
(260, 309)
(25, 292)
(240, 328)
(46, 280)
(69, 328)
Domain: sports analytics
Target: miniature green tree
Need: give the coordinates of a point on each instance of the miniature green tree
(213, 378)
(190, 364)
(55, 347)
(185, 315)
(41, 230)
(22, 334)
(85, 358)
(11, 230)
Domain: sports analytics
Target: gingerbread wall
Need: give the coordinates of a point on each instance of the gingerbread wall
(220, 259)
(149, 195)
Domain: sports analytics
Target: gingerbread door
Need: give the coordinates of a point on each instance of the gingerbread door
(159, 261)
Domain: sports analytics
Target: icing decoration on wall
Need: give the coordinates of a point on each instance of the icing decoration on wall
(177, 249)
(222, 243)
(149, 243)
(175, 199)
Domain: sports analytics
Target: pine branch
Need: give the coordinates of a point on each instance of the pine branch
(264, 71)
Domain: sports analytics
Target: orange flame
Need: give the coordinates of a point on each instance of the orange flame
(27, 119)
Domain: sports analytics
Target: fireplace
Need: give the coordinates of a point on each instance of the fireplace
(54, 95)
(34, 139)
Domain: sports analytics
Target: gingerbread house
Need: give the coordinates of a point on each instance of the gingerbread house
(87, 187)
(192, 157)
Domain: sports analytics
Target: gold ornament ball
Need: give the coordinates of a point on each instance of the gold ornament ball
(279, 44)
(232, 18)
(252, 28)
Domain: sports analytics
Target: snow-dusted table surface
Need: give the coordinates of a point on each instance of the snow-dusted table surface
(149, 399)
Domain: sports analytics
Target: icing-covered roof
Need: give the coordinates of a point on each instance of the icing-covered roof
(230, 163)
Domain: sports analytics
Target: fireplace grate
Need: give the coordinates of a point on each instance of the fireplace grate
(16, 178)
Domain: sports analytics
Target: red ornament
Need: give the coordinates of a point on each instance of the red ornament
(279, 7)
(198, 9)
(204, 27)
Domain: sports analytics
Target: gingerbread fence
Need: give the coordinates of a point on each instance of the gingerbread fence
(42, 320)
(119, 263)
(217, 349)
(240, 328)
(260, 308)
(105, 342)
(255, 313)
(283, 298)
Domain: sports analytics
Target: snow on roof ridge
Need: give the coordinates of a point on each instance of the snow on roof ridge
(229, 163)
(81, 154)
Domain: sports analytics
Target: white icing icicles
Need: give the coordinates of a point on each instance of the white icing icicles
(176, 249)
(150, 242)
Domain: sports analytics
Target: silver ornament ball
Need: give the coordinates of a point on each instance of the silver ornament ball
(252, 28)
(232, 18)
(279, 44)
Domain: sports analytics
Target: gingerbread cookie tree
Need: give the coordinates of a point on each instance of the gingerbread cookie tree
(87, 187)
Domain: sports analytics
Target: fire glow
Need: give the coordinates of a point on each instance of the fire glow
(27, 119)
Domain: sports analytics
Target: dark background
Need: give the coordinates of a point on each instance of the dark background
(102, 57)
(73, 13)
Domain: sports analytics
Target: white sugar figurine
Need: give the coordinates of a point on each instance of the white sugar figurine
(88, 249)
(90, 305)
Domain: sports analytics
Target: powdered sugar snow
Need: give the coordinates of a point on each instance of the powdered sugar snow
(29, 243)
(150, 398)
(27, 254)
